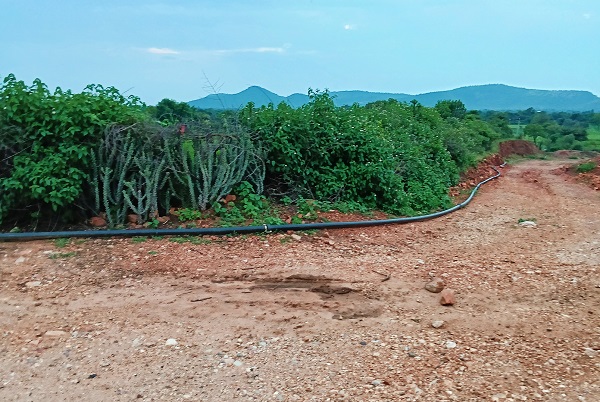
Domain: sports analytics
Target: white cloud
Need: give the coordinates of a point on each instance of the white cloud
(267, 50)
(349, 27)
(255, 50)
(161, 50)
(587, 16)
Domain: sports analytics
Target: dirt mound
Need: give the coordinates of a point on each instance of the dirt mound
(574, 154)
(474, 175)
(566, 153)
(590, 177)
(518, 147)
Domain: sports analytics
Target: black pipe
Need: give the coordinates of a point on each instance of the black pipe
(240, 229)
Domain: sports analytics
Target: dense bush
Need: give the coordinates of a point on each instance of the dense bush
(46, 137)
(387, 155)
(67, 154)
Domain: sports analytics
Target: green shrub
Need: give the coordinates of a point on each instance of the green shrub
(586, 167)
(187, 214)
(388, 155)
(46, 138)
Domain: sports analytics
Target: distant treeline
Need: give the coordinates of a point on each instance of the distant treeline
(551, 131)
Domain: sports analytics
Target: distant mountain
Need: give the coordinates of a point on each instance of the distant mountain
(478, 97)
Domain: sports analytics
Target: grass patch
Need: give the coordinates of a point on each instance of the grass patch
(199, 240)
(586, 167)
(139, 239)
(56, 256)
(61, 242)
(593, 139)
(179, 239)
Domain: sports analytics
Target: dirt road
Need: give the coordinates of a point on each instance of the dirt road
(273, 318)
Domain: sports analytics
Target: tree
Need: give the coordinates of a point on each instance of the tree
(170, 111)
(451, 108)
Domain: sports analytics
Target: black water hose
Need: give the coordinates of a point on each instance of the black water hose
(240, 229)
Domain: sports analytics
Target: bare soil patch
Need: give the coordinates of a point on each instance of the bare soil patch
(337, 315)
(518, 147)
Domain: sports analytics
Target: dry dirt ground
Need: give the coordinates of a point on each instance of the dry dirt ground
(273, 318)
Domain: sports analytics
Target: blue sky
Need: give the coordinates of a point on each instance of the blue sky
(178, 49)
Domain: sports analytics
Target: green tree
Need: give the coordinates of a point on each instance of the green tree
(451, 108)
(170, 111)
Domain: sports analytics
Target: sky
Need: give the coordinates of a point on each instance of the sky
(188, 49)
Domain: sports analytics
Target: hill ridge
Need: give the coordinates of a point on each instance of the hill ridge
(475, 97)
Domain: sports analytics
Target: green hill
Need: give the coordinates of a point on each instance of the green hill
(477, 97)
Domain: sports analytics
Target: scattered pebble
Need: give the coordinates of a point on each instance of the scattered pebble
(436, 285)
(437, 324)
(450, 344)
(171, 342)
(55, 333)
(447, 297)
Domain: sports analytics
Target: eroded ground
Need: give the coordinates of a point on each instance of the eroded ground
(337, 315)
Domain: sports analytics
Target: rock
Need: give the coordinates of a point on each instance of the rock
(104, 363)
(450, 345)
(436, 285)
(163, 219)
(447, 297)
(237, 363)
(590, 352)
(132, 218)
(376, 383)
(55, 333)
(229, 198)
(20, 260)
(528, 224)
(437, 324)
(296, 237)
(171, 342)
(33, 284)
(97, 222)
